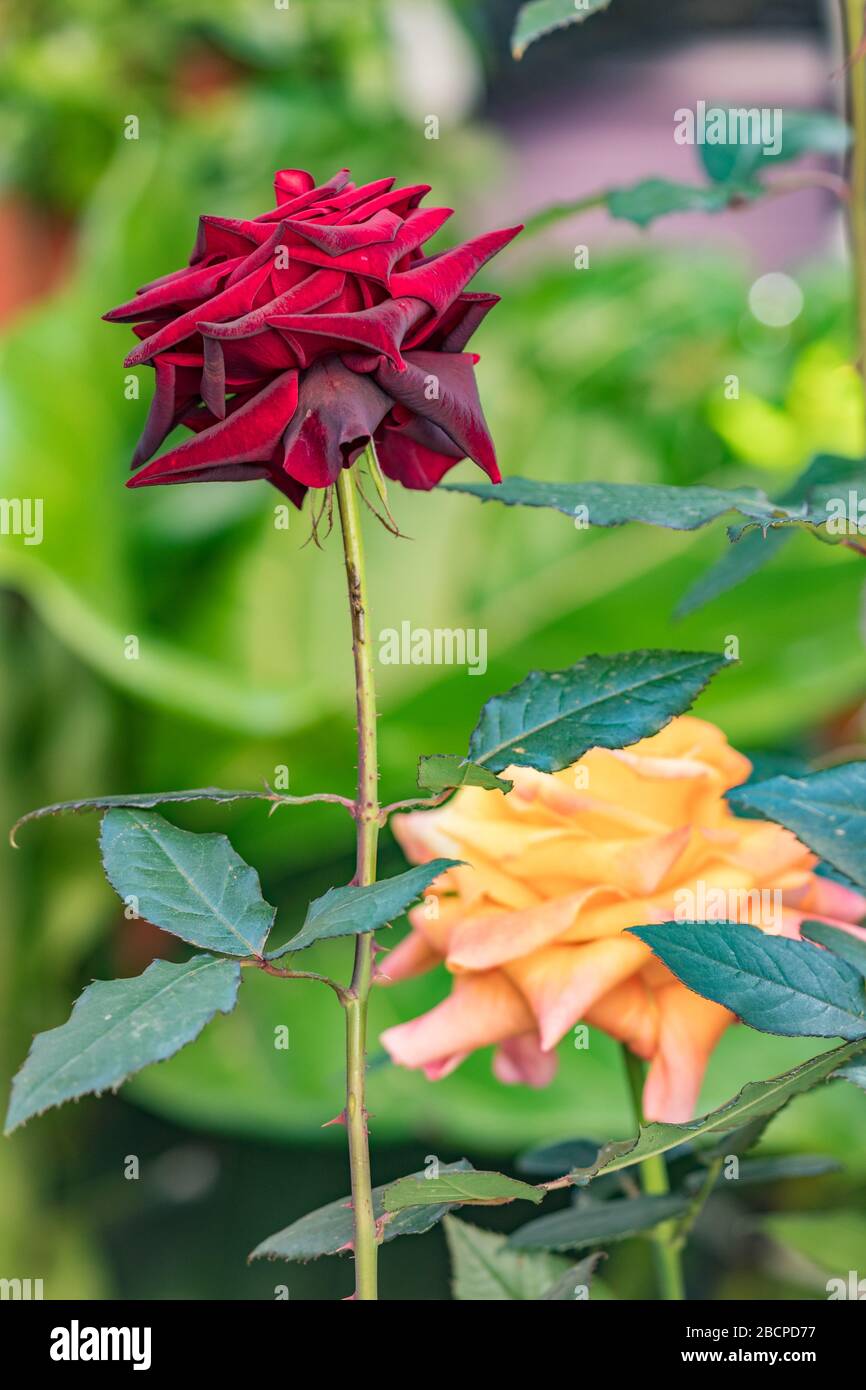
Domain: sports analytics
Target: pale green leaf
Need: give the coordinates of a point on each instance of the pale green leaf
(539, 17)
(484, 1270)
(758, 1100)
(119, 1026)
(438, 772)
(480, 1188)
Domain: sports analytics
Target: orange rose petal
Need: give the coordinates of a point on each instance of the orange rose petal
(413, 956)
(827, 898)
(485, 940)
(628, 1013)
(689, 1028)
(562, 982)
(436, 1071)
(521, 1061)
(480, 1010)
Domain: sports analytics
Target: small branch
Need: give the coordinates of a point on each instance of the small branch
(270, 969)
(415, 803)
(333, 797)
(696, 1206)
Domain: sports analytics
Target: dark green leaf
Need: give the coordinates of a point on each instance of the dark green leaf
(824, 477)
(552, 1160)
(652, 198)
(119, 1026)
(615, 504)
(762, 1170)
(479, 1188)
(351, 911)
(328, 1231)
(575, 1227)
(142, 800)
(826, 810)
(484, 1270)
(736, 564)
(552, 717)
(539, 17)
(842, 943)
(440, 771)
(758, 1100)
(771, 983)
(801, 132)
(194, 886)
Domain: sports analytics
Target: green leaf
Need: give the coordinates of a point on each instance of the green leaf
(194, 886)
(841, 943)
(826, 810)
(771, 983)
(763, 1170)
(142, 800)
(119, 1026)
(736, 564)
(553, 1160)
(540, 17)
(651, 198)
(351, 911)
(758, 1100)
(615, 504)
(552, 717)
(575, 1227)
(574, 1280)
(802, 132)
(824, 477)
(484, 1270)
(440, 771)
(485, 1189)
(328, 1231)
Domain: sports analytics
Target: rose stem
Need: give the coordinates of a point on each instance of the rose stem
(855, 80)
(367, 829)
(654, 1181)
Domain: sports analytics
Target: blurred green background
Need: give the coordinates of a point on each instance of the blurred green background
(243, 661)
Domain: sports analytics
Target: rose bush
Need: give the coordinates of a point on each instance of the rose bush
(292, 339)
(533, 928)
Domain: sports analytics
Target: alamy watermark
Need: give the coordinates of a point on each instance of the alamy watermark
(760, 906)
(436, 646)
(22, 516)
(723, 125)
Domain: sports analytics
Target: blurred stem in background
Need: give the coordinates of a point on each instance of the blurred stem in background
(853, 35)
(367, 823)
(654, 1181)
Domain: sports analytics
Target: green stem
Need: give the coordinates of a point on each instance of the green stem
(855, 68)
(366, 1237)
(698, 1202)
(654, 1181)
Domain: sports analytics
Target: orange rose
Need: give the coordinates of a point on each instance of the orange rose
(533, 928)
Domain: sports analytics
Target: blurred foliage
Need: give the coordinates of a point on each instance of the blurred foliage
(244, 654)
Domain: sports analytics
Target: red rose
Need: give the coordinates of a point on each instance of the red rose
(292, 339)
